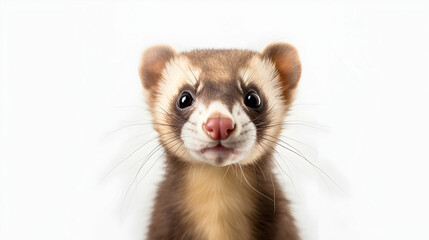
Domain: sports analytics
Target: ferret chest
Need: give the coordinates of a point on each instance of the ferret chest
(218, 203)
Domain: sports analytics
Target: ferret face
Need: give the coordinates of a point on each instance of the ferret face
(219, 107)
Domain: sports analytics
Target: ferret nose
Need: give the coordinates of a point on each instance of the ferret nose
(218, 128)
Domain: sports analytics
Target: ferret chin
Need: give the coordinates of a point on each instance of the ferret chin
(219, 113)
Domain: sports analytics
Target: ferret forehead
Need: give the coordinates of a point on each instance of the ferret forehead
(219, 65)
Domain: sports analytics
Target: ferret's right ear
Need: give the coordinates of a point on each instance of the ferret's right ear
(152, 63)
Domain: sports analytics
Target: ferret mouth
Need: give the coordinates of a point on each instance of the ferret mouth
(220, 149)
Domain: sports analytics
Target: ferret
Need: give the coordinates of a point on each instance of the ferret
(219, 113)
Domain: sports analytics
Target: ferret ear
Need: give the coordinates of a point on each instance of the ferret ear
(286, 59)
(152, 63)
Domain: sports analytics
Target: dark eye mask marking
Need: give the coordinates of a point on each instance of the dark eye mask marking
(259, 116)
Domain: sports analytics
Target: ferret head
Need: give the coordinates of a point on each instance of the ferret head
(219, 107)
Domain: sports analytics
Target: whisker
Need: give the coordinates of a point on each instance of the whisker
(292, 123)
(275, 161)
(288, 175)
(263, 174)
(136, 125)
(274, 192)
(142, 165)
(226, 172)
(297, 141)
(256, 190)
(317, 168)
(306, 123)
(254, 171)
(151, 153)
(158, 160)
(294, 150)
(256, 162)
(132, 153)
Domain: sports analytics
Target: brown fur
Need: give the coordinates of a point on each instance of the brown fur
(151, 65)
(172, 217)
(285, 57)
(219, 65)
(201, 201)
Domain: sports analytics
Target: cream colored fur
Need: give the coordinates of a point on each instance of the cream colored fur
(219, 202)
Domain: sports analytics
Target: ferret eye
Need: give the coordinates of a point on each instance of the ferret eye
(185, 100)
(252, 100)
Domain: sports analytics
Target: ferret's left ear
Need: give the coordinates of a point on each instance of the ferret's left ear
(286, 59)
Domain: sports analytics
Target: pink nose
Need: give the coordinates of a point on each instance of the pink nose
(219, 128)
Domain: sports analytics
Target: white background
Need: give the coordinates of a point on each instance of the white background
(68, 79)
